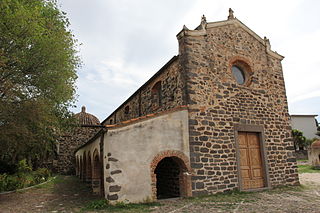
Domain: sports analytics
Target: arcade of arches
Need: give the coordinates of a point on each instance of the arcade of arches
(88, 169)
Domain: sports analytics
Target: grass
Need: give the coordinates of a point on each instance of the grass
(103, 204)
(307, 169)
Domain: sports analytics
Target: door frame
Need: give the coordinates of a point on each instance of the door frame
(263, 152)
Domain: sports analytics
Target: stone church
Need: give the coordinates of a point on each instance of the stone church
(214, 118)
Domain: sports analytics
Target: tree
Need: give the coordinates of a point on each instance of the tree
(298, 139)
(38, 63)
(318, 131)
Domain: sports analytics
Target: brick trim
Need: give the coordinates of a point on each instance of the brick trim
(142, 118)
(185, 174)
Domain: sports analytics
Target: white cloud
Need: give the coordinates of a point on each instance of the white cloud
(126, 42)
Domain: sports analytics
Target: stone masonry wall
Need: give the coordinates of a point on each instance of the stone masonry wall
(142, 102)
(217, 103)
(68, 143)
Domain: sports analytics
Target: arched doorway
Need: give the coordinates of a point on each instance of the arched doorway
(170, 175)
(96, 176)
(89, 168)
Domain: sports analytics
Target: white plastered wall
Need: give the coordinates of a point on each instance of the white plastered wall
(129, 151)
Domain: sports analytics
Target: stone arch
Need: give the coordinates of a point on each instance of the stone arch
(89, 168)
(181, 161)
(84, 168)
(96, 173)
(80, 167)
(77, 166)
(156, 94)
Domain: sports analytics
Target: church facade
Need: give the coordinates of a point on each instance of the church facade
(213, 119)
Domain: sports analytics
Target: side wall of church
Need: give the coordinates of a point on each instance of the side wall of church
(144, 103)
(217, 104)
(131, 150)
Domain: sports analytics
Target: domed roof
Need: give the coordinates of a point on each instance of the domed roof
(85, 118)
(316, 144)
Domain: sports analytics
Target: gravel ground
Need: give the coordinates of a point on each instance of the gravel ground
(68, 194)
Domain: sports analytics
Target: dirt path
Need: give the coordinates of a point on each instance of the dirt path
(64, 194)
(303, 199)
(68, 194)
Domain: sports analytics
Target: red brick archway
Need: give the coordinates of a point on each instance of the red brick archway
(184, 176)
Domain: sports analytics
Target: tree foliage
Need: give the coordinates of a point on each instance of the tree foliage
(299, 140)
(318, 131)
(38, 62)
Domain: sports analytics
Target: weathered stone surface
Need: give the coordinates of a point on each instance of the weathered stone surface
(112, 197)
(115, 188)
(68, 143)
(217, 103)
(113, 159)
(143, 102)
(109, 180)
(115, 172)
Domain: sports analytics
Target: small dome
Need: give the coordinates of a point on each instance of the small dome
(85, 118)
(316, 144)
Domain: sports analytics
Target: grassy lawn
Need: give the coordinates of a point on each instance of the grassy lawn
(307, 169)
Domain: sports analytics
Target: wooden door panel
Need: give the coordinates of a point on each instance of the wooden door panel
(256, 184)
(242, 140)
(252, 175)
(257, 173)
(253, 140)
(255, 157)
(245, 173)
(244, 160)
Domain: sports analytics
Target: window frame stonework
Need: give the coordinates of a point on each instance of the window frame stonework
(156, 94)
(245, 66)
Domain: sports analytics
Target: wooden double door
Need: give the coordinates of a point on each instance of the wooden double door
(251, 164)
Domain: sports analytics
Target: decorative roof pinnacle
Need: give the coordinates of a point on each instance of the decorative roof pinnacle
(83, 109)
(203, 22)
(231, 16)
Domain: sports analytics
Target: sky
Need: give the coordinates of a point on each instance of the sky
(123, 43)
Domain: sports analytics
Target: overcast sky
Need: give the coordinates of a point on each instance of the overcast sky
(125, 42)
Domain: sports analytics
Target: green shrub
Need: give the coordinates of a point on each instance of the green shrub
(12, 182)
(23, 167)
(23, 179)
(3, 185)
(41, 175)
